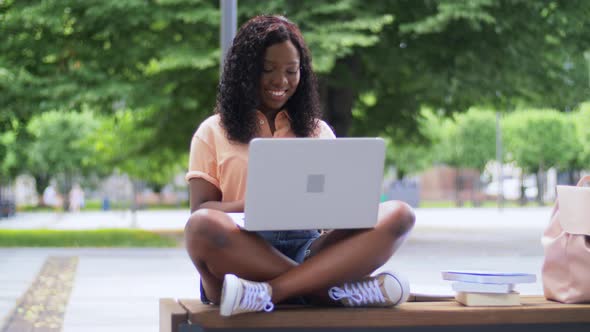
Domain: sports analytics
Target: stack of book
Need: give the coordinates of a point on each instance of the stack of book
(487, 288)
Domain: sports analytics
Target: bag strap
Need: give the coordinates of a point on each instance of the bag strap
(584, 180)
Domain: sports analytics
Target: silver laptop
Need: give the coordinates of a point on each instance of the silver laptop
(310, 183)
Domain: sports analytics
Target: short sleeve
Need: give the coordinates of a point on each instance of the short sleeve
(202, 161)
(324, 130)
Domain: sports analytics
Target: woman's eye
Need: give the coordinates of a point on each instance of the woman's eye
(267, 70)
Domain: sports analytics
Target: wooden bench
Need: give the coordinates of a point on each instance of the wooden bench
(535, 314)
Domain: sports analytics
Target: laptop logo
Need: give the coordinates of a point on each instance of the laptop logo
(315, 183)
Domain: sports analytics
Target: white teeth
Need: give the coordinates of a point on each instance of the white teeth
(277, 93)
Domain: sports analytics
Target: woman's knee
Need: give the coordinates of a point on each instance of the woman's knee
(205, 228)
(396, 217)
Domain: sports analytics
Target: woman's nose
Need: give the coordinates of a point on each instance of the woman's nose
(279, 79)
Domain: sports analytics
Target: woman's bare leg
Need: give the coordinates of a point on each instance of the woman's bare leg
(217, 247)
(351, 257)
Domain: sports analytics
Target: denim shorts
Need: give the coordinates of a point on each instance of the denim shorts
(293, 244)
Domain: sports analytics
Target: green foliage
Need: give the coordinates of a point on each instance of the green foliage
(121, 135)
(12, 154)
(439, 131)
(473, 139)
(110, 54)
(85, 238)
(408, 157)
(539, 139)
(581, 119)
(416, 153)
(7, 153)
(161, 60)
(333, 29)
(451, 55)
(57, 145)
(474, 12)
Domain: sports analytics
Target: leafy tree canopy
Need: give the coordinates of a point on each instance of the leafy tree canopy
(581, 120)
(451, 55)
(380, 62)
(122, 135)
(57, 146)
(474, 139)
(539, 139)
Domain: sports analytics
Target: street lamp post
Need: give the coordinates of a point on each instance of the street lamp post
(500, 161)
(229, 19)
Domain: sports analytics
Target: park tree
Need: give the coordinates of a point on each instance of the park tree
(582, 122)
(451, 55)
(121, 135)
(408, 158)
(8, 157)
(164, 56)
(418, 152)
(537, 140)
(581, 159)
(161, 55)
(57, 148)
(471, 144)
(475, 138)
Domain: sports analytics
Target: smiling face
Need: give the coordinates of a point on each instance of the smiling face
(280, 76)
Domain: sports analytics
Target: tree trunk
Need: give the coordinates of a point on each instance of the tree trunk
(475, 188)
(338, 109)
(458, 188)
(523, 198)
(540, 185)
(66, 192)
(41, 182)
(337, 99)
(573, 177)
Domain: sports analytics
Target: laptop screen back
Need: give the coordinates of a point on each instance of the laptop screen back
(308, 183)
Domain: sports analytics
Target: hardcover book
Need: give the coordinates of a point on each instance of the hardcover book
(488, 277)
(488, 300)
(473, 287)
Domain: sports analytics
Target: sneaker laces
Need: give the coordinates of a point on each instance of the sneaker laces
(362, 292)
(256, 298)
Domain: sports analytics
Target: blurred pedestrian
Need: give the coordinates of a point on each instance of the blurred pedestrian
(52, 198)
(76, 198)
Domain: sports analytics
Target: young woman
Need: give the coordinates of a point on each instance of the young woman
(268, 89)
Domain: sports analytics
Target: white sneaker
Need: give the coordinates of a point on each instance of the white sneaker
(386, 289)
(240, 296)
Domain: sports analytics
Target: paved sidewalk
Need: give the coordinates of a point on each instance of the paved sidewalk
(480, 218)
(118, 289)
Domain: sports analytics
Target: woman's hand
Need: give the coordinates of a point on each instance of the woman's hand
(204, 195)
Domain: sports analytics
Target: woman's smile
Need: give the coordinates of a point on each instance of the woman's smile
(280, 76)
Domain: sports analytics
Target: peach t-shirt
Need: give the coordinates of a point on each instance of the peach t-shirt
(224, 163)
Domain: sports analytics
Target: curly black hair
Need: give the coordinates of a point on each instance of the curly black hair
(237, 94)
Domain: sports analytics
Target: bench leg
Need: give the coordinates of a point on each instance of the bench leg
(172, 314)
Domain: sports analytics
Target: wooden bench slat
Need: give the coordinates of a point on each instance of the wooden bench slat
(535, 310)
(172, 313)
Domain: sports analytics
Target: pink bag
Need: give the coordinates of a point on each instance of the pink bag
(566, 270)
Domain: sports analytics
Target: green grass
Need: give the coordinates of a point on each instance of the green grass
(94, 205)
(87, 238)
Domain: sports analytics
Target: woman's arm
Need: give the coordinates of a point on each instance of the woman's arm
(203, 195)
